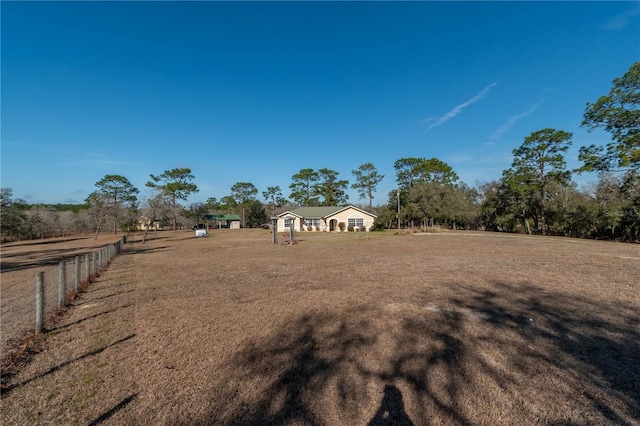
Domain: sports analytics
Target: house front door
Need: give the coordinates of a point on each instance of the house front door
(332, 225)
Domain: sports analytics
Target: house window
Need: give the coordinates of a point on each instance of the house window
(356, 222)
(312, 222)
(287, 223)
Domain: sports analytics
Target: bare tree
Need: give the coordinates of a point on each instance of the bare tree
(156, 209)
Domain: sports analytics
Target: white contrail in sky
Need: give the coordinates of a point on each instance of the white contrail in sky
(507, 125)
(621, 21)
(455, 111)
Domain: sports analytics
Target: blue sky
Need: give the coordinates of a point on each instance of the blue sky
(254, 92)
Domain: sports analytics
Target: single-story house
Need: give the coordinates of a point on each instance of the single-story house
(231, 221)
(327, 219)
(144, 222)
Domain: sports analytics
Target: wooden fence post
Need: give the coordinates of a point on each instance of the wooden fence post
(77, 270)
(87, 271)
(39, 301)
(62, 286)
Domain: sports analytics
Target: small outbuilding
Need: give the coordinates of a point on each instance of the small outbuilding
(230, 221)
(326, 219)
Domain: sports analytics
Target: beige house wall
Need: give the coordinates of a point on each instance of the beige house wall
(282, 228)
(144, 222)
(352, 213)
(325, 222)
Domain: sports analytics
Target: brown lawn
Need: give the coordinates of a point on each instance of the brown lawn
(344, 329)
(20, 262)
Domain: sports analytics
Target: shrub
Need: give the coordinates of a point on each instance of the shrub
(434, 229)
(350, 228)
(341, 225)
(376, 227)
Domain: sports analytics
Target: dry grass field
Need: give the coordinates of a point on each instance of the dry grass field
(344, 329)
(20, 261)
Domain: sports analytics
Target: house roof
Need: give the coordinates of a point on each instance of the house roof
(221, 217)
(321, 212)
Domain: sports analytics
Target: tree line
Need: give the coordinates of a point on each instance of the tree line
(114, 206)
(536, 195)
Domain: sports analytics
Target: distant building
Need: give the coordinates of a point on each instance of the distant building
(230, 221)
(144, 222)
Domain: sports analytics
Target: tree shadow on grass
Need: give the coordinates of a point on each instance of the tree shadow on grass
(46, 257)
(506, 355)
(45, 242)
(90, 317)
(6, 388)
(42, 258)
(597, 342)
(110, 413)
(139, 248)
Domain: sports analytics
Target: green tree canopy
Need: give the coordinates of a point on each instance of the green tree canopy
(367, 180)
(407, 171)
(273, 196)
(12, 216)
(302, 191)
(196, 212)
(619, 114)
(243, 192)
(176, 184)
(244, 196)
(116, 196)
(540, 161)
(411, 171)
(434, 170)
(212, 203)
(228, 204)
(331, 190)
(254, 214)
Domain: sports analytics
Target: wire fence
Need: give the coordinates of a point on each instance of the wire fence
(26, 308)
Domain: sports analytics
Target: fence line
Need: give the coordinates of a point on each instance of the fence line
(53, 290)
